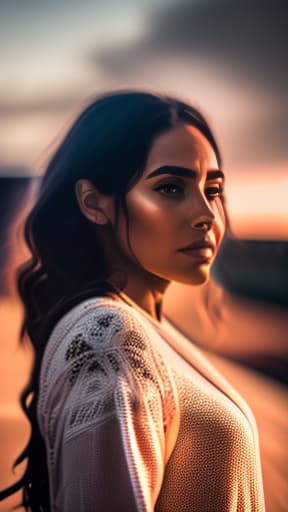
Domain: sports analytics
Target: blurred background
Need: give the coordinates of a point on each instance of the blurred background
(230, 60)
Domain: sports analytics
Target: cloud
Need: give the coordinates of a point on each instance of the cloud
(242, 47)
(250, 36)
(40, 104)
(231, 53)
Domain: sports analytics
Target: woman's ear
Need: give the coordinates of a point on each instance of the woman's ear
(92, 203)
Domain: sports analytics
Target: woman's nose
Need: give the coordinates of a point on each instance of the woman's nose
(203, 225)
(204, 217)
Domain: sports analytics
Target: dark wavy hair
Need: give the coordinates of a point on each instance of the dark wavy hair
(108, 145)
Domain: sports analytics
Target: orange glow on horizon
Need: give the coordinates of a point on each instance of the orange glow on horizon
(260, 228)
(257, 201)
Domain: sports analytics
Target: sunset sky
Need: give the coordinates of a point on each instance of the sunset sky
(229, 61)
(229, 58)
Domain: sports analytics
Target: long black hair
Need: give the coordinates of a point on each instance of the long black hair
(108, 145)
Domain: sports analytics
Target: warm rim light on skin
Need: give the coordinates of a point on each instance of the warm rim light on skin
(164, 220)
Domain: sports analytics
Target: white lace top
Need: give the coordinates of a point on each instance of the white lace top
(135, 419)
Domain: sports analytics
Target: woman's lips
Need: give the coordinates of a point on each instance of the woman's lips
(199, 249)
(199, 252)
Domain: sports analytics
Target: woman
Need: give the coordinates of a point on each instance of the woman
(126, 413)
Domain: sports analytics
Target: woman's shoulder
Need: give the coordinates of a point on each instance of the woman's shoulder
(102, 342)
(93, 327)
(99, 317)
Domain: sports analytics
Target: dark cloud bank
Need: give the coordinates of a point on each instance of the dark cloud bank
(251, 36)
(247, 38)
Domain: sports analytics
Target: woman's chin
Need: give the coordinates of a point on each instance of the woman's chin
(197, 278)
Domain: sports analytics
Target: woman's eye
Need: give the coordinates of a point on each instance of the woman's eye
(213, 192)
(170, 189)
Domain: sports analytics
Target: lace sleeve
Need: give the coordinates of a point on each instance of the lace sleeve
(107, 416)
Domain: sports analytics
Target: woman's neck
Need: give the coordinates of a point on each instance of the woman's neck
(146, 291)
(147, 299)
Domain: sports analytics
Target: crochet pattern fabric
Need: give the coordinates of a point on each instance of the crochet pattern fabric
(130, 425)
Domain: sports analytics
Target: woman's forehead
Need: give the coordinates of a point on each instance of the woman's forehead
(183, 145)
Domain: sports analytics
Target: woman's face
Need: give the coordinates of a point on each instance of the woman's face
(176, 203)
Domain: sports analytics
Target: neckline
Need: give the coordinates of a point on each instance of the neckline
(192, 354)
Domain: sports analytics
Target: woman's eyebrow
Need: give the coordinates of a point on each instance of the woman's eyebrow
(184, 172)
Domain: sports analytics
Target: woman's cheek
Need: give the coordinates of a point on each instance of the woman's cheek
(220, 218)
(149, 225)
(146, 214)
